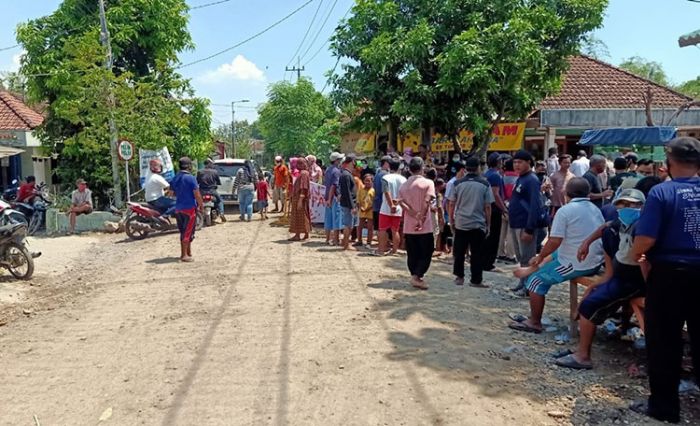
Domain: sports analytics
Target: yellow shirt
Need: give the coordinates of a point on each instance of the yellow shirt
(365, 197)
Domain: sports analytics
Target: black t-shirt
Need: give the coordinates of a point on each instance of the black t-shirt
(348, 193)
(208, 179)
(592, 179)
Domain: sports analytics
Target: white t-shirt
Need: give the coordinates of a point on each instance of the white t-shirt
(574, 223)
(155, 186)
(391, 183)
(580, 167)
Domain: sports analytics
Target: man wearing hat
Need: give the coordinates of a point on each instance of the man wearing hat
(81, 203)
(333, 218)
(623, 279)
(498, 208)
(188, 200)
(281, 176)
(668, 237)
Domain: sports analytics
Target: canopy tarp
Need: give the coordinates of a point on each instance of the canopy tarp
(689, 39)
(626, 136)
(6, 151)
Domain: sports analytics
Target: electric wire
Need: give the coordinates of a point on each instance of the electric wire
(306, 34)
(318, 33)
(202, 6)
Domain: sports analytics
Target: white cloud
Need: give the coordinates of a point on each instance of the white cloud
(239, 69)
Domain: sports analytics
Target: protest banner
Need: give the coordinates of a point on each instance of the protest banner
(317, 202)
(145, 156)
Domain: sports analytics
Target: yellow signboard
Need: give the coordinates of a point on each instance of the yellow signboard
(365, 144)
(506, 137)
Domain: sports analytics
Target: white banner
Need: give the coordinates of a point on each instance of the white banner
(145, 156)
(317, 203)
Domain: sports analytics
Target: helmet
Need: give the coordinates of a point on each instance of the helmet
(156, 165)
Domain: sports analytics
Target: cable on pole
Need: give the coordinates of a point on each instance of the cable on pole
(318, 33)
(2, 49)
(202, 6)
(306, 34)
(327, 41)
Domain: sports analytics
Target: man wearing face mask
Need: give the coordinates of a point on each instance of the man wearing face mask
(668, 237)
(452, 165)
(623, 279)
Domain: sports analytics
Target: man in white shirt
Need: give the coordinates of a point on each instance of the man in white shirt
(155, 188)
(572, 225)
(390, 212)
(580, 165)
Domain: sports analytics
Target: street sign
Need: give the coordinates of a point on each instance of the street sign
(125, 150)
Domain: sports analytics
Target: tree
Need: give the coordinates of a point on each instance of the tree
(645, 68)
(594, 47)
(244, 134)
(297, 119)
(155, 106)
(690, 88)
(459, 64)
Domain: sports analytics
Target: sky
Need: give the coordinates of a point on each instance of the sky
(646, 28)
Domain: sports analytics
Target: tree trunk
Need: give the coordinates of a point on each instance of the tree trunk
(392, 143)
(426, 135)
(454, 137)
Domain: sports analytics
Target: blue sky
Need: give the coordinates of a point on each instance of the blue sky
(647, 28)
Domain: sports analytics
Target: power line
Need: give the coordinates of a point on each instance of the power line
(331, 74)
(321, 28)
(308, 30)
(294, 12)
(9, 48)
(202, 6)
(327, 41)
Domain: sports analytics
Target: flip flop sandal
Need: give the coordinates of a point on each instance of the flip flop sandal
(570, 362)
(521, 326)
(519, 318)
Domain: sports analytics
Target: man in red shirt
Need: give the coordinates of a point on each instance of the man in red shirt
(25, 194)
(281, 181)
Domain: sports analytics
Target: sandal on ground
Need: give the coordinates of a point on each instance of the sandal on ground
(569, 361)
(562, 353)
(522, 326)
(521, 318)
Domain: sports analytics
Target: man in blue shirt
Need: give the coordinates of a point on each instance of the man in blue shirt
(668, 236)
(526, 212)
(189, 200)
(498, 208)
(333, 223)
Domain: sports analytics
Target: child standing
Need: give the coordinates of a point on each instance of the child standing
(263, 196)
(365, 197)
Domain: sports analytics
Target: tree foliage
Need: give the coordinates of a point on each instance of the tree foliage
(645, 68)
(154, 105)
(690, 88)
(245, 132)
(457, 64)
(297, 119)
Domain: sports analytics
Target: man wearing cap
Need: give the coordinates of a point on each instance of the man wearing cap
(470, 216)
(281, 176)
(333, 219)
(81, 203)
(581, 164)
(558, 261)
(526, 212)
(209, 182)
(188, 201)
(498, 208)
(623, 279)
(668, 237)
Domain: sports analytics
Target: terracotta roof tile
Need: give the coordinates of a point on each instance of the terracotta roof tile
(15, 115)
(590, 84)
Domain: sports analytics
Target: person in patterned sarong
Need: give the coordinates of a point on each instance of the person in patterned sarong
(300, 218)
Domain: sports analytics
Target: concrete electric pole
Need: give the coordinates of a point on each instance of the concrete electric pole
(113, 132)
(296, 69)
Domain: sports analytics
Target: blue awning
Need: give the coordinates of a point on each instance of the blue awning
(626, 136)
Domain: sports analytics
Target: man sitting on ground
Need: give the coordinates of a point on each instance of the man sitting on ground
(81, 203)
(572, 224)
(622, 282)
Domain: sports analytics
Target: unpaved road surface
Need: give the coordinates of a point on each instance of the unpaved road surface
(261, 331)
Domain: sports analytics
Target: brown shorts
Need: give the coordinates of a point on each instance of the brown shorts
(83, 212)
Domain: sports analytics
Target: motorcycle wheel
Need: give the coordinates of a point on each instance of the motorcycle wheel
(207, 216)
(134, 231)
(20, 262)
(200, 221)
(34, 224)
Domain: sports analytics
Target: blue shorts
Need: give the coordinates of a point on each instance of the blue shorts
(552, 273)
(626, 284)
(333, 220)
(349, 220)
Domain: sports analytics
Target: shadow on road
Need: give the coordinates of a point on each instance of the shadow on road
(164, 260)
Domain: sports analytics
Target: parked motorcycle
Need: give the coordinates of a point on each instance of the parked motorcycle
(14, 255)
(10, 194)
(143, 220)
(35, 213)
(9, 215)
(211, 212)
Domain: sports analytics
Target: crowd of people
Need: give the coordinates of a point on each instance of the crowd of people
(630, 225)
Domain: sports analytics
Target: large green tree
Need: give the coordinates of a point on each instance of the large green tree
(651, 70)
(154, 106)
(459, 64)
(690, 88)
(297, 119)
(244, 134)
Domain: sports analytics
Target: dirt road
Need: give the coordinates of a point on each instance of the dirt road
(260, 331)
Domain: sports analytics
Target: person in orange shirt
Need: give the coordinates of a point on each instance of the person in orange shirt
(281, 177)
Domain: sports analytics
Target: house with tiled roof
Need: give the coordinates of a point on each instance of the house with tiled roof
(595, 94)
(20, 150)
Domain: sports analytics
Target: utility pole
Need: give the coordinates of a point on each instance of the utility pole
(113, 132)
(296, 69)
(233, 125)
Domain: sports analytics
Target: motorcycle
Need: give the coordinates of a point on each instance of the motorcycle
(142, 220)
(9, 215)
(14, 255)
(35, 213)
(10, 194)
(211, 212)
